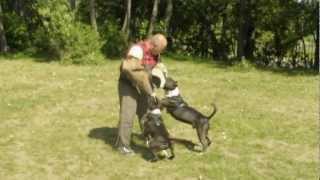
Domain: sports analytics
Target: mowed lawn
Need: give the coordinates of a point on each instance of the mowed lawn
(59, 122)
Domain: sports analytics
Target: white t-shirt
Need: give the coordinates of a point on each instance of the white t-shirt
(136, 51)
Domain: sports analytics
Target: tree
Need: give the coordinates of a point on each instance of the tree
(316, 56)
(241, 36)
(73, 4)
(93, 19)
(269, 32)
(18, 7)
(168, 15)
(246, 29)
(153, 16)
(126, 23)
(3, 40)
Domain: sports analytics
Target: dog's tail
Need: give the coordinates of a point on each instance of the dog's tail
(215, 109)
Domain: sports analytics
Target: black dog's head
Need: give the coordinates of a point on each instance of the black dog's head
(158, 137)
(170, 84)
(155, 130)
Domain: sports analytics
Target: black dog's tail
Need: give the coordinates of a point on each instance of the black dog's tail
(215, 109)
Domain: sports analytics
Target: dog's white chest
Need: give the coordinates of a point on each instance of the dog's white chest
(173, 93)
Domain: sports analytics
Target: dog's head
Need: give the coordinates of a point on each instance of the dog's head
(160, 139)
(170, 84)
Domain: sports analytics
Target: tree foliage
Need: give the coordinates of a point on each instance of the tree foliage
(280, 33)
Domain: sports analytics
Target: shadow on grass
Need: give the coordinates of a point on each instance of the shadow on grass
(40, 57)
(188, 144)
(109, 135)
(236, 65)
(198, 60)
(37, 57)
(288, 71)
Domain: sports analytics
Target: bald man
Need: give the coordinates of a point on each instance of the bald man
(131, 101)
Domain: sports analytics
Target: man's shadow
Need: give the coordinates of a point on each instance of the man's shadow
(109, 136)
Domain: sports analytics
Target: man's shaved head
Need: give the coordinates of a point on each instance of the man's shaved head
(159, 42)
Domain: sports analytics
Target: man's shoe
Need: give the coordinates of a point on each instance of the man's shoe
(125, 150)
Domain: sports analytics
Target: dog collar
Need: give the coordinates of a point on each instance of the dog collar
(156, 111)
(173, 93)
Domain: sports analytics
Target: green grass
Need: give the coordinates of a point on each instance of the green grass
(59, 122)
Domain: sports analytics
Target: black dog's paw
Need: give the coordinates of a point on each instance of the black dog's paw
(171, 157)
(198, 148)
(154, 160)
(204, 149)
(209, 141)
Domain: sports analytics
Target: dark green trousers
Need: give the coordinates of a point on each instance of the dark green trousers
(131, 104)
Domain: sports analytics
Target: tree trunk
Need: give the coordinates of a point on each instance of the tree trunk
(316, 58)
(153, 17)
(278, 47)
(125, 27)
(73, 4)
(168, 16)
(304, 50)
(223, 40)
(241, 35)
(3, 40)
(246, 30)
(18, 7)
(93, 18)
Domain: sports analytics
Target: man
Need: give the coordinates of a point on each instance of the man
(131, 101)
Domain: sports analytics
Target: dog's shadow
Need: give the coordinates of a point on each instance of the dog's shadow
(188, 144)
(109, 135)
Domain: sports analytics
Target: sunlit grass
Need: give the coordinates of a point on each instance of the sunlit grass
(58, 122)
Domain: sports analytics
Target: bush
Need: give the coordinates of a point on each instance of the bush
(63, 39)
(115, 42)
(83, 46)
(17, 33)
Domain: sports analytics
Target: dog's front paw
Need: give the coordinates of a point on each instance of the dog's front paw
(154, 159)
(171, 157)
(209, 141)
(198, 148)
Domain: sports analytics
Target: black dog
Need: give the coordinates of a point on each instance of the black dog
(181, 111)
(156, 132)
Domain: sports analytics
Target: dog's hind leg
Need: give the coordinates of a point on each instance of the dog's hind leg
(155, 157)
(172, 153)
(202, 131)
(207, 137)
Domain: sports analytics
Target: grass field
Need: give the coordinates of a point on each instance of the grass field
(59, 122)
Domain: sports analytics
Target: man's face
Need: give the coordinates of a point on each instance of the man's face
(159, 43)
(157, 49)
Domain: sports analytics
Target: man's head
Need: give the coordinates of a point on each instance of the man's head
(159, 43)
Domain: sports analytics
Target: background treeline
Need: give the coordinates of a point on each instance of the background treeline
(267, 32)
